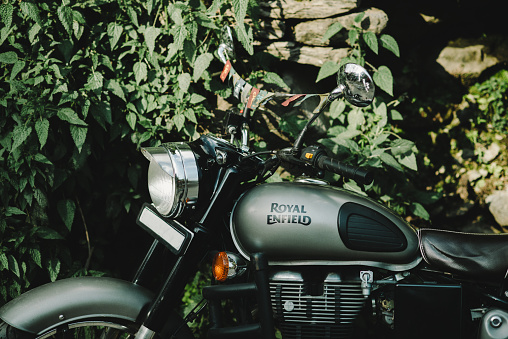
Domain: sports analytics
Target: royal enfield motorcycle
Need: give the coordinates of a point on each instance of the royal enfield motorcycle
(300, 259)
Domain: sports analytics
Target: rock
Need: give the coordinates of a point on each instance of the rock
(271, 29)
(466, 59)
(306, 9)
(491, 153)
(498, 206)
(311, 32)
(315, 56)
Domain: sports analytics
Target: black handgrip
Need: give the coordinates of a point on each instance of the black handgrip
(358, 174)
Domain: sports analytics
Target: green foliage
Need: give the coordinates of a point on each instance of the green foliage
(83, 84)
(369, 136)
(491, 97)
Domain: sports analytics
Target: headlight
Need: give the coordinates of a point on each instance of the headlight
(173, 180)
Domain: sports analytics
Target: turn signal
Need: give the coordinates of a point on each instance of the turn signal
(227, 265)
(220, 266)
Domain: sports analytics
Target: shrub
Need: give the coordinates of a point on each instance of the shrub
(83, 84)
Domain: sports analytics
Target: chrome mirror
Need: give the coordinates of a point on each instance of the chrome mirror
(354, 84)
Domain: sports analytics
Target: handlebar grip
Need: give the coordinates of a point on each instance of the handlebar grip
(358, 174)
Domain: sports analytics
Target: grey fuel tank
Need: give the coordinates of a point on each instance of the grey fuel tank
(296, 223)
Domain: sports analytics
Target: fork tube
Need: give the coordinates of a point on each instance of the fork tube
(170, 294)
(143, 265)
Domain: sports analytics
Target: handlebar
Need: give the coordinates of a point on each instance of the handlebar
(317, 157)
(358, 174)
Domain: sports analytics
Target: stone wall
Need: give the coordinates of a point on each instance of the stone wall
(293, 30)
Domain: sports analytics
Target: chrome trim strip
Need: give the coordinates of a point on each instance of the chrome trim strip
(387, 266)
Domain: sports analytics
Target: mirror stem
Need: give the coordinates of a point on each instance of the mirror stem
(297, 146)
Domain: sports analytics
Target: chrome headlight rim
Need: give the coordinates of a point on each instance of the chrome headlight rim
(181, 177)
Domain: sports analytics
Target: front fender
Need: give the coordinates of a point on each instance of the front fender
(72, 299)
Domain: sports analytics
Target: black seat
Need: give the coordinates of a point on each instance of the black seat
(482, 256)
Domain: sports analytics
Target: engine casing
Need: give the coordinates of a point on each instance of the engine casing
(297, 223)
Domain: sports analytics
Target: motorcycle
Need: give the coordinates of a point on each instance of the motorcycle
(303, 258)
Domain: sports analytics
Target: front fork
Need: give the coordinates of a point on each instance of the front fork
(169, 295)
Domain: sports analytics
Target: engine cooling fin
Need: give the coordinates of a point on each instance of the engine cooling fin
(303, 311)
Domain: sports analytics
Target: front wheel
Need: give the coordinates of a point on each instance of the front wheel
(99, 328)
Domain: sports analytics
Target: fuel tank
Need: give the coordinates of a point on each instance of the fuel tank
(296, 223)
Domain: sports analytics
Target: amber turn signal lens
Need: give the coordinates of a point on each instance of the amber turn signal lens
(220, 266)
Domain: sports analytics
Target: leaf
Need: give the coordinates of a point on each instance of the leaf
(42, 159)
(333, 29)
(388, 42)
(196, 98)
(201, 64)
(240, 10)
(77, 28)
(349, 134)
(140, 71)
(68, 114)
(66, 18)
(420, 211)
(36, 256)
(184, 80)
(6, 11)
(95, 81)
(133, 16)
(275, 79)
(13, 265)
(131, 120)
(179, 120)
(42, 128)
(409, 161)
(329, 68)
(336, 108)
(351, 185)
(4, 261)
(190, 115)
(32, 33)
(53, 267)
(47, 233)
(31, 10)
(401, 146)
(383, 79)
(355, 118)
(8, 57)
(395, 115)
(353, 36)
(18, 66)
(114, 87)
(245, 37)
(150, 34)
(102, 113)
(390, 161)
(114, 32)
(78, 134)
(19, 135)
(359, 17)
(10, 211)
(66, 209)
(370, 39)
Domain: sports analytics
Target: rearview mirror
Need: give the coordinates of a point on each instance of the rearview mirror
(354, 84)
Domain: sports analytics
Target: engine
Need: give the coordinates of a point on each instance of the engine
(312, 304)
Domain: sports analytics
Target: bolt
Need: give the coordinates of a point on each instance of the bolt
(61, 317)
(496, 321)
